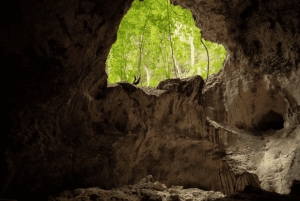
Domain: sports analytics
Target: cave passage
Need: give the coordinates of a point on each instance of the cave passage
(271, 120)
(157, 41)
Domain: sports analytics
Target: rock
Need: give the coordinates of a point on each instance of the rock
(177, 187)
(147, 179)
(133, 193)
(173, 197)
(129, 88)
(65, 128)
(159, 186)
(150, 195)
(173, 191)
(255, 194)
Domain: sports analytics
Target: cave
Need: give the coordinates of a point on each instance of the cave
(64, 128)
(271, 120)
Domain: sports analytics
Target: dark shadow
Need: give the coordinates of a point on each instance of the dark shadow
(251, 193)
(295, 189)
(271, 120)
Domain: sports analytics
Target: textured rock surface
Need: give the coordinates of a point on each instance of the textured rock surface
(251, 193)
(142, 191)
(64, 128)
(53, 56)
(259, 75)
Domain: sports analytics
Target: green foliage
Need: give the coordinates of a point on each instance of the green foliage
(144, 31)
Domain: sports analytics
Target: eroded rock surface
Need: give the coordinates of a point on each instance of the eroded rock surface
(251, 193)
(165, 134)
(64, 128)
(257, 92)
(142, 191)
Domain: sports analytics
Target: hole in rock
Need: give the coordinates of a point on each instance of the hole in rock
(157, 41)
(271, 120)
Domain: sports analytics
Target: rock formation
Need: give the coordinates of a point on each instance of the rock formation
(142, 191)
(64, 128)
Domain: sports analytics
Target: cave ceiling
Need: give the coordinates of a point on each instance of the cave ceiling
(65, 127)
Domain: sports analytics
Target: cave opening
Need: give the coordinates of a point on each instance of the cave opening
(157, 41)
(271, 120)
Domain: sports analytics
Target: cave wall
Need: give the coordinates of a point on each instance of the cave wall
(65, 128)
(257, 92)
(53, 62)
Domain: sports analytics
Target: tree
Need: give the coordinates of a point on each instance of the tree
(157, 41)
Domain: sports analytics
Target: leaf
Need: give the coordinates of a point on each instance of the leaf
(156, 58)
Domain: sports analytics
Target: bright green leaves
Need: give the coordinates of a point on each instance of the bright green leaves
(144, 35)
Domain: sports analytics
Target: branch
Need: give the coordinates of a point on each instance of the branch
(174, 10)
(207, 56)
(170, 39)
(141, 44)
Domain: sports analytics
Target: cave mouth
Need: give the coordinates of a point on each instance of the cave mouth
(271, 120)
(157, 41)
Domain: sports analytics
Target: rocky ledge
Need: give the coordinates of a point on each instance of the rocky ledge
(145, 190)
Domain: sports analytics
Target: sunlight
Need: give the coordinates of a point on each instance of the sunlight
(157, 41)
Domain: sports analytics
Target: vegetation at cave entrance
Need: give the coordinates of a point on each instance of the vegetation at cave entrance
(156, 41)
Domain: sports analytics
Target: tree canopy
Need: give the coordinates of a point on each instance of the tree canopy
(156, 41)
